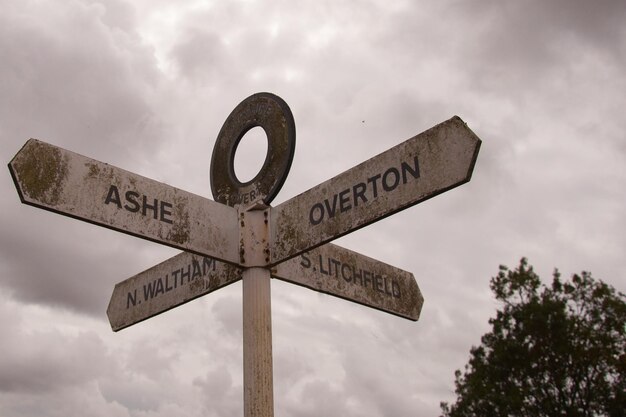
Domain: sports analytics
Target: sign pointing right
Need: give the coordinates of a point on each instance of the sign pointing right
(424, 166)
(340, 272)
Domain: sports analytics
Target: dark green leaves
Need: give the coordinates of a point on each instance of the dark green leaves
(555, 350)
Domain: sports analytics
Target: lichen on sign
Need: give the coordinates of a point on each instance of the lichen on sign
(42, 171)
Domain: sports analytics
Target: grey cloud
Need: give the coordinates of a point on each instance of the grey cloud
(117, 14)
(135, 394)
(200, 54)
(318, 398)
(599, 22)
(69, 265)
(227, 312)
(89, 84)
(75, 401)
(145, 360)
(525, 42)
(87, 89)
(42, 362)
(547, 185)
(220, 395)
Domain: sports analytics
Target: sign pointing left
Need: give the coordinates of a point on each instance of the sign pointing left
(67, 183)
(167, 285)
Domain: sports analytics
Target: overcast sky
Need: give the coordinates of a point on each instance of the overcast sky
(146, 86)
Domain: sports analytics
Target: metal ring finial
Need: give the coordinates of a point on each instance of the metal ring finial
(271, 113)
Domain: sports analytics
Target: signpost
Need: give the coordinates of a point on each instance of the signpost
(329, 269)
(67, 183)
(167, 285)
(333, 270)
(240, 236)
(428, 164)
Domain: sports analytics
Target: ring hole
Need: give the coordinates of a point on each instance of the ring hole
(250, 154)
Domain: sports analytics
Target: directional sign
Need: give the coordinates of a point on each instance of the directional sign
(288, 242)
(55, 179)
(349, 275)
(167, 285)
(329, 269)
(428, 164)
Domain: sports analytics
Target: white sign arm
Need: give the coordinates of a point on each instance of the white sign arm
(424, 166)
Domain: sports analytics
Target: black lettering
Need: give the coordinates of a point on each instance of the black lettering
(372, 181)
(367, 278)
(415, 172)
(312, 218)
(130, 197)
(159, 287)
(378, 282)
(336, 263)
(305, 262)
(167, 284)
(148, 291)
(183, 274)
(207, 264)
(387, 287)
(322, 266)
(358, 276)
(396, 181)
(196, 269)
(331, 210)
(146, 206)
(113, 196)
(175, 276)
(131, 298)
(344, 201)
(359, 192)
(395, 289)
(165, 212)
(343, 272)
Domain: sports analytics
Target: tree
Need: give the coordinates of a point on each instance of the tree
(554, 350)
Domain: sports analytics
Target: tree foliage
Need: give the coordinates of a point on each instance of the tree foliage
(555, 350)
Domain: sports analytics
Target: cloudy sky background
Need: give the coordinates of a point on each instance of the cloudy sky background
(146, 86)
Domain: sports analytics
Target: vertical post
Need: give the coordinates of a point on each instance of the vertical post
(258, 385)
(258, 392)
